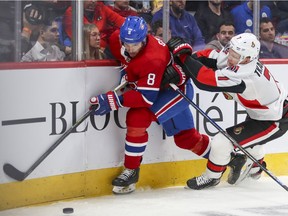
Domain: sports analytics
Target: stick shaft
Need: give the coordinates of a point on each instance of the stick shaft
(18, 175)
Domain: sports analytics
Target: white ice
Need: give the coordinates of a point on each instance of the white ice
(250, 198)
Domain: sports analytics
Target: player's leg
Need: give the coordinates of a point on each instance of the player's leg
(250, 134)
(187, 137)
(258, 153)
(247, 134)
(219, 157)
(137, 121)
(237, 162)
(268, 131)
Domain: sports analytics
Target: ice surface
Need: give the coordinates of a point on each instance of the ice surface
(250, 198)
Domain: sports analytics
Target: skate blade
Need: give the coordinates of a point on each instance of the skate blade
(124, 190)
(245, 171)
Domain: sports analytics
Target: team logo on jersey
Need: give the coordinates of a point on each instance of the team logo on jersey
(238, 130)
(233, 68)
(142, 26)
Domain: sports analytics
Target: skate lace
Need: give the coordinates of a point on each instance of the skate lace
(203, 179)
(126, 174)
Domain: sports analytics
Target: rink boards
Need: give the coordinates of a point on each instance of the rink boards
(39, 105)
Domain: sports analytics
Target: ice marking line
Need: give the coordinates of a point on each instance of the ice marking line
(23, 121)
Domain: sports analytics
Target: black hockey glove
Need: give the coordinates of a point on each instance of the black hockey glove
(173, 74)
(178, 46)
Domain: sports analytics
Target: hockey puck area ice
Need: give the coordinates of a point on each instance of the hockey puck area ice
(68, 210)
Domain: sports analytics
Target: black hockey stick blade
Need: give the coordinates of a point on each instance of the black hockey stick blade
(14, 173)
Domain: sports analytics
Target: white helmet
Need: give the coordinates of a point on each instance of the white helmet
(245, 44)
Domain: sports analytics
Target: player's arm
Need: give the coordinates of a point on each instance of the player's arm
(208, 79)
(204, 77)
(207, 57)
(147, 87)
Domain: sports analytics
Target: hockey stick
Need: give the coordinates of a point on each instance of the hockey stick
(18, 175)
(228, 136)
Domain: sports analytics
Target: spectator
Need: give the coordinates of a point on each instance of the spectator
(142, 6)
(224, 35)
(45, 49)
(64, 43)
(92, 38)
(156, 5)
(7, 26)
(193, 6)
(229, 5)
(122, 8)
(6, 44)
(36, 13)
(269, 48)
(182, 24)
(279, 11)
(148, 19)
(94, 12)
(209, 17)
(32, 18)
(157, 30)
(243, 16)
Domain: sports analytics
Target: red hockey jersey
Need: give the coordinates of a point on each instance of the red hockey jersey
(146, 69)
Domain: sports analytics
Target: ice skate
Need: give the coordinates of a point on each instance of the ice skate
(236, 164)
(201, 182)
(257, 174)
(126, 182)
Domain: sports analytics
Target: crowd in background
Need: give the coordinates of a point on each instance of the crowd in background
(46, 26)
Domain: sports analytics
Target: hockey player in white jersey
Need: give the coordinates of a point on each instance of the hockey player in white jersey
(238, 73)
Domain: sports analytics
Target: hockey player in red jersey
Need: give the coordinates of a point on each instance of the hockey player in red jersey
(149, 67)
(236, 71)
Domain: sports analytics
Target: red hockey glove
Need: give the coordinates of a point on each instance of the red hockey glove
(106, 103)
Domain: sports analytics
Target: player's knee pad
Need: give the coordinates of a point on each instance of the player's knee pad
(221, 149)
(185, 139)
(257, 151)
(136, 132)
(194, 141)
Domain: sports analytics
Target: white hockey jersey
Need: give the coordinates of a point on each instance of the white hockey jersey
(263, 96)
